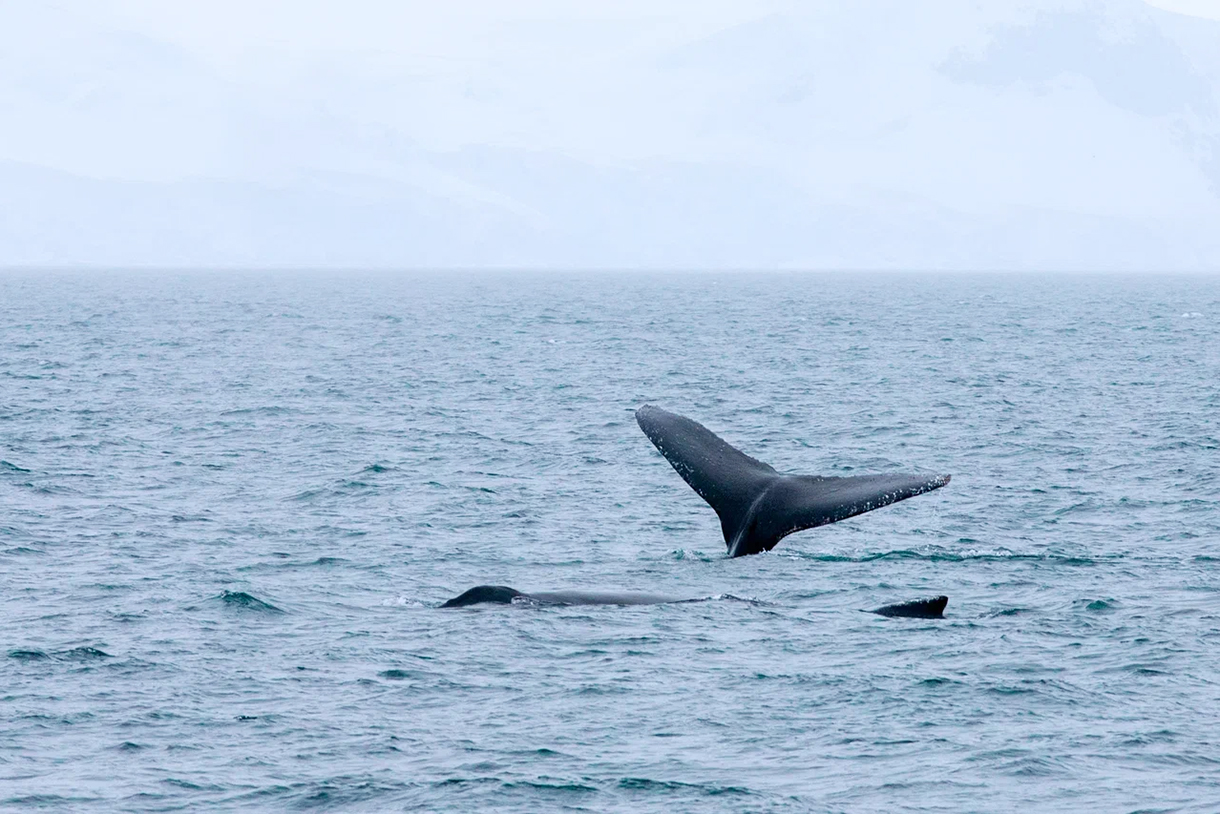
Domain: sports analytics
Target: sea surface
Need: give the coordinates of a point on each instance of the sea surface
(230, 504)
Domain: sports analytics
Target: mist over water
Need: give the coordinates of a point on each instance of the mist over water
(229, 505)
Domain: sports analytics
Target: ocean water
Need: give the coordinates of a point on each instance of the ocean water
(230, 504)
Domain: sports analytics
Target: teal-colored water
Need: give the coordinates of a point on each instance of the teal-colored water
(229, 505)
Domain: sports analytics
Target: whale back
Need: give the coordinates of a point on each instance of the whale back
(758, 506)
(483, 593)
(502, 594)
(919, 609)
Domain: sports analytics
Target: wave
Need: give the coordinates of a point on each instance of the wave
(245, 601)
(949, 556)
(22, 654)
(84, 654)
(72, 654)
(746, 600)
(402, 601)
(22, 550)
(271, 410)
(648, 785)
(683, 554)
(189, 518)
(398, 675)
(537, 785)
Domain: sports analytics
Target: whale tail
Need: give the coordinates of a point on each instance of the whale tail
(758, 506)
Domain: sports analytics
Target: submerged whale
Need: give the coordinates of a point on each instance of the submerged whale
(503, 595)
(758, 506)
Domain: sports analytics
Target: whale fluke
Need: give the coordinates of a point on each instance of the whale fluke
(758, 506)
(919, 609)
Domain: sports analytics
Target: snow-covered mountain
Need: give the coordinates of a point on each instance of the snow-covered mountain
(666, 134)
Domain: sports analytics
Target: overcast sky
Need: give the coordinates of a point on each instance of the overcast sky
(699, 133)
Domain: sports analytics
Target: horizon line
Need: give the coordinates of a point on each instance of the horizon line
(553, 269)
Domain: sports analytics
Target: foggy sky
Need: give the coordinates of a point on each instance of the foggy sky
(626, 134)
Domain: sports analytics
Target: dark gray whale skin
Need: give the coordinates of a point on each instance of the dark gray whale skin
(504, 595)
(919, 609)
(758, 506)
(483, 593)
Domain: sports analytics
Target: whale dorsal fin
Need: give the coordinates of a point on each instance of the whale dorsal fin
(757, 506)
